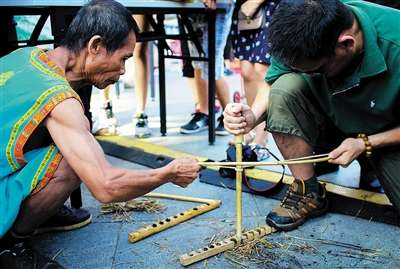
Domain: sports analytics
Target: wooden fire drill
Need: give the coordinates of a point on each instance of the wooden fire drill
(231, 242)
(239, 173)
(257, 233)
(239, 238)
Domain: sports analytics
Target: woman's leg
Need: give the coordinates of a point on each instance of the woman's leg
(254, 79)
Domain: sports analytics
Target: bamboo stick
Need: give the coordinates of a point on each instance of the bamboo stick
(239, 172)
(172, 221)
(179, 197)
(271, 163)
(224, 245)
(309, 157)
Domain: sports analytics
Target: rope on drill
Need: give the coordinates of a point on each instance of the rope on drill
(302, 160)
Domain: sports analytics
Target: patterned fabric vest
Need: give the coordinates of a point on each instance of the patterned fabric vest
(30, 87)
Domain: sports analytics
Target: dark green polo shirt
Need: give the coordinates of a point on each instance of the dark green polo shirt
(368, 100)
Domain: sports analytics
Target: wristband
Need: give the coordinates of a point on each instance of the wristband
(367, 143)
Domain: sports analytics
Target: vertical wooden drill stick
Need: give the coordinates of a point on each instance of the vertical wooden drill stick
(239, 172)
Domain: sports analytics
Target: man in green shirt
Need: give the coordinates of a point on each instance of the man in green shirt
(335, 87)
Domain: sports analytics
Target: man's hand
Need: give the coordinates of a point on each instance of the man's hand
(347, 152)
(211, 4)
(238, 118)
(182, 171)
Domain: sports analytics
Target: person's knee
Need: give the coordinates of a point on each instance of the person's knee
(252, 72)
(260, 71)
(288, 91)
(386, 164)
(290, 85)
(248, 73)
(290, 110)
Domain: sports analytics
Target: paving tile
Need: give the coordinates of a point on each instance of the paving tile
(90, 247)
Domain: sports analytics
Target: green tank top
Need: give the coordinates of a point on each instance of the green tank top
(30, 87)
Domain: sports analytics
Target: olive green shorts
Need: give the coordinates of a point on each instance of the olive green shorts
(294, 110)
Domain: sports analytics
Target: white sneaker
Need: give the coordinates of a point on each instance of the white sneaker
(142, 129)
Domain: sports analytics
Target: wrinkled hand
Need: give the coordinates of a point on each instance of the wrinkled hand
(182, 171)
(211, 4)
(238, 118)
(347, 151)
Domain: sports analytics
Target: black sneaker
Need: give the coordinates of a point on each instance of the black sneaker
(220, 129)
(198, 123)
(142, 129)
(22, 256)
(66, 219)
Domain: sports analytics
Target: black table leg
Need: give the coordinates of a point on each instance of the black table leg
(161, 71)
(211, 76)
(76, 198)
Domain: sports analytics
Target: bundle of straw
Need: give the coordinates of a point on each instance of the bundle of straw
(121, 209)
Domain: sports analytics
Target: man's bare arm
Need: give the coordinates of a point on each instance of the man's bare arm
(70, 131)
(351, 148)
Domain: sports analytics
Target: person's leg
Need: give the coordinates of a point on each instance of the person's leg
(107, 125)
(253, 75)
(222, 90)
(187, 66)
(199, 121)
(386, 163)
(141, 79)
(193, 86)
(221, 87)
(111, 120)
(15, 250)
(223, 94)
(141, 76)
(37, 208)
(201, 91)
(141, 67)
(222, 29)
(296, 123)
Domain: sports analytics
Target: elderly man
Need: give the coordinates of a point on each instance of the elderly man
(335, 88)
(37, 96)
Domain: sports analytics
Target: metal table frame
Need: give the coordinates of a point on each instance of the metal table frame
(62, 12)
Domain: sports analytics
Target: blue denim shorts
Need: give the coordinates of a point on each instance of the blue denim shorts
(222, 29)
